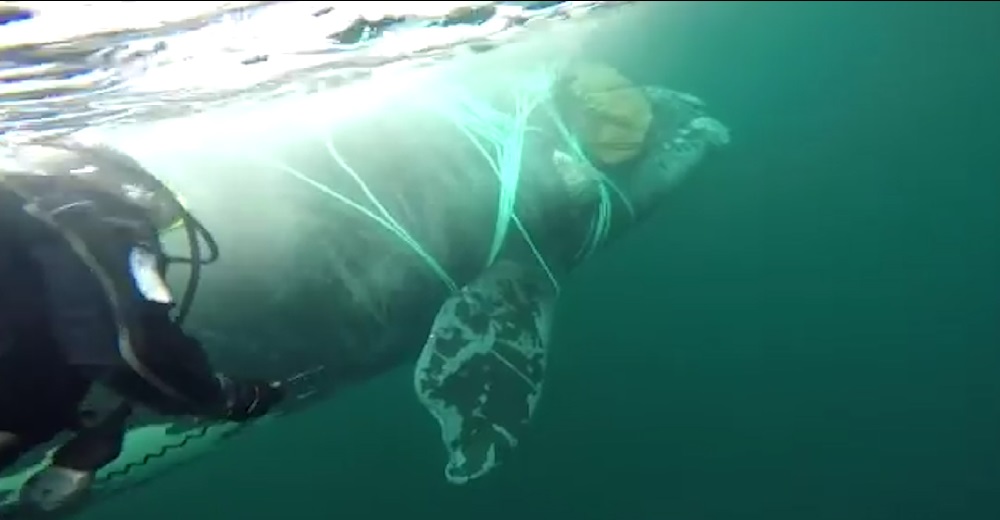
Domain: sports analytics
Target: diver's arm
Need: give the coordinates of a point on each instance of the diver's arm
(177, 378)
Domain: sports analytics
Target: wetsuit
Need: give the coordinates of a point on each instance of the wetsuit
(77, 309)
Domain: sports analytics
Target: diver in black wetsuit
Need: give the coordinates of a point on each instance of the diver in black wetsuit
(83, 302)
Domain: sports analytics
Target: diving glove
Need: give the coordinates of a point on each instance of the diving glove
(250, 399)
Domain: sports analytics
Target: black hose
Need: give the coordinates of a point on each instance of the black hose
(196, 232)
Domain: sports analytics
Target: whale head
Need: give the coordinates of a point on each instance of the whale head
(630, 147)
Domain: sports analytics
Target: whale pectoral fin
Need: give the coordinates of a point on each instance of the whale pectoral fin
(481, 372)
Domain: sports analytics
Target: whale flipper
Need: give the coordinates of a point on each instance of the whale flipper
(481, 371)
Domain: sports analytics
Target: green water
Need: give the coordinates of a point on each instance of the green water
(810, 330)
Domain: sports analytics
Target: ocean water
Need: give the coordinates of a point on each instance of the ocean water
(808, 330)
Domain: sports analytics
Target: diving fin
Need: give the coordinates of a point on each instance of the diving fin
(62, 485)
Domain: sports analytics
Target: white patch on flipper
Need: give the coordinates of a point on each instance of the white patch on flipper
(481, 372)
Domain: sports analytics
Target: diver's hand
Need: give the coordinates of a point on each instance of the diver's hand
(250, 399)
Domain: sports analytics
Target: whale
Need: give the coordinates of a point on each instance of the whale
(429, 219)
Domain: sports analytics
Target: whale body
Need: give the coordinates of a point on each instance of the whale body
(429, 220)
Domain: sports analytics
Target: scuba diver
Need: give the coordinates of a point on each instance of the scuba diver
(84, 303)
